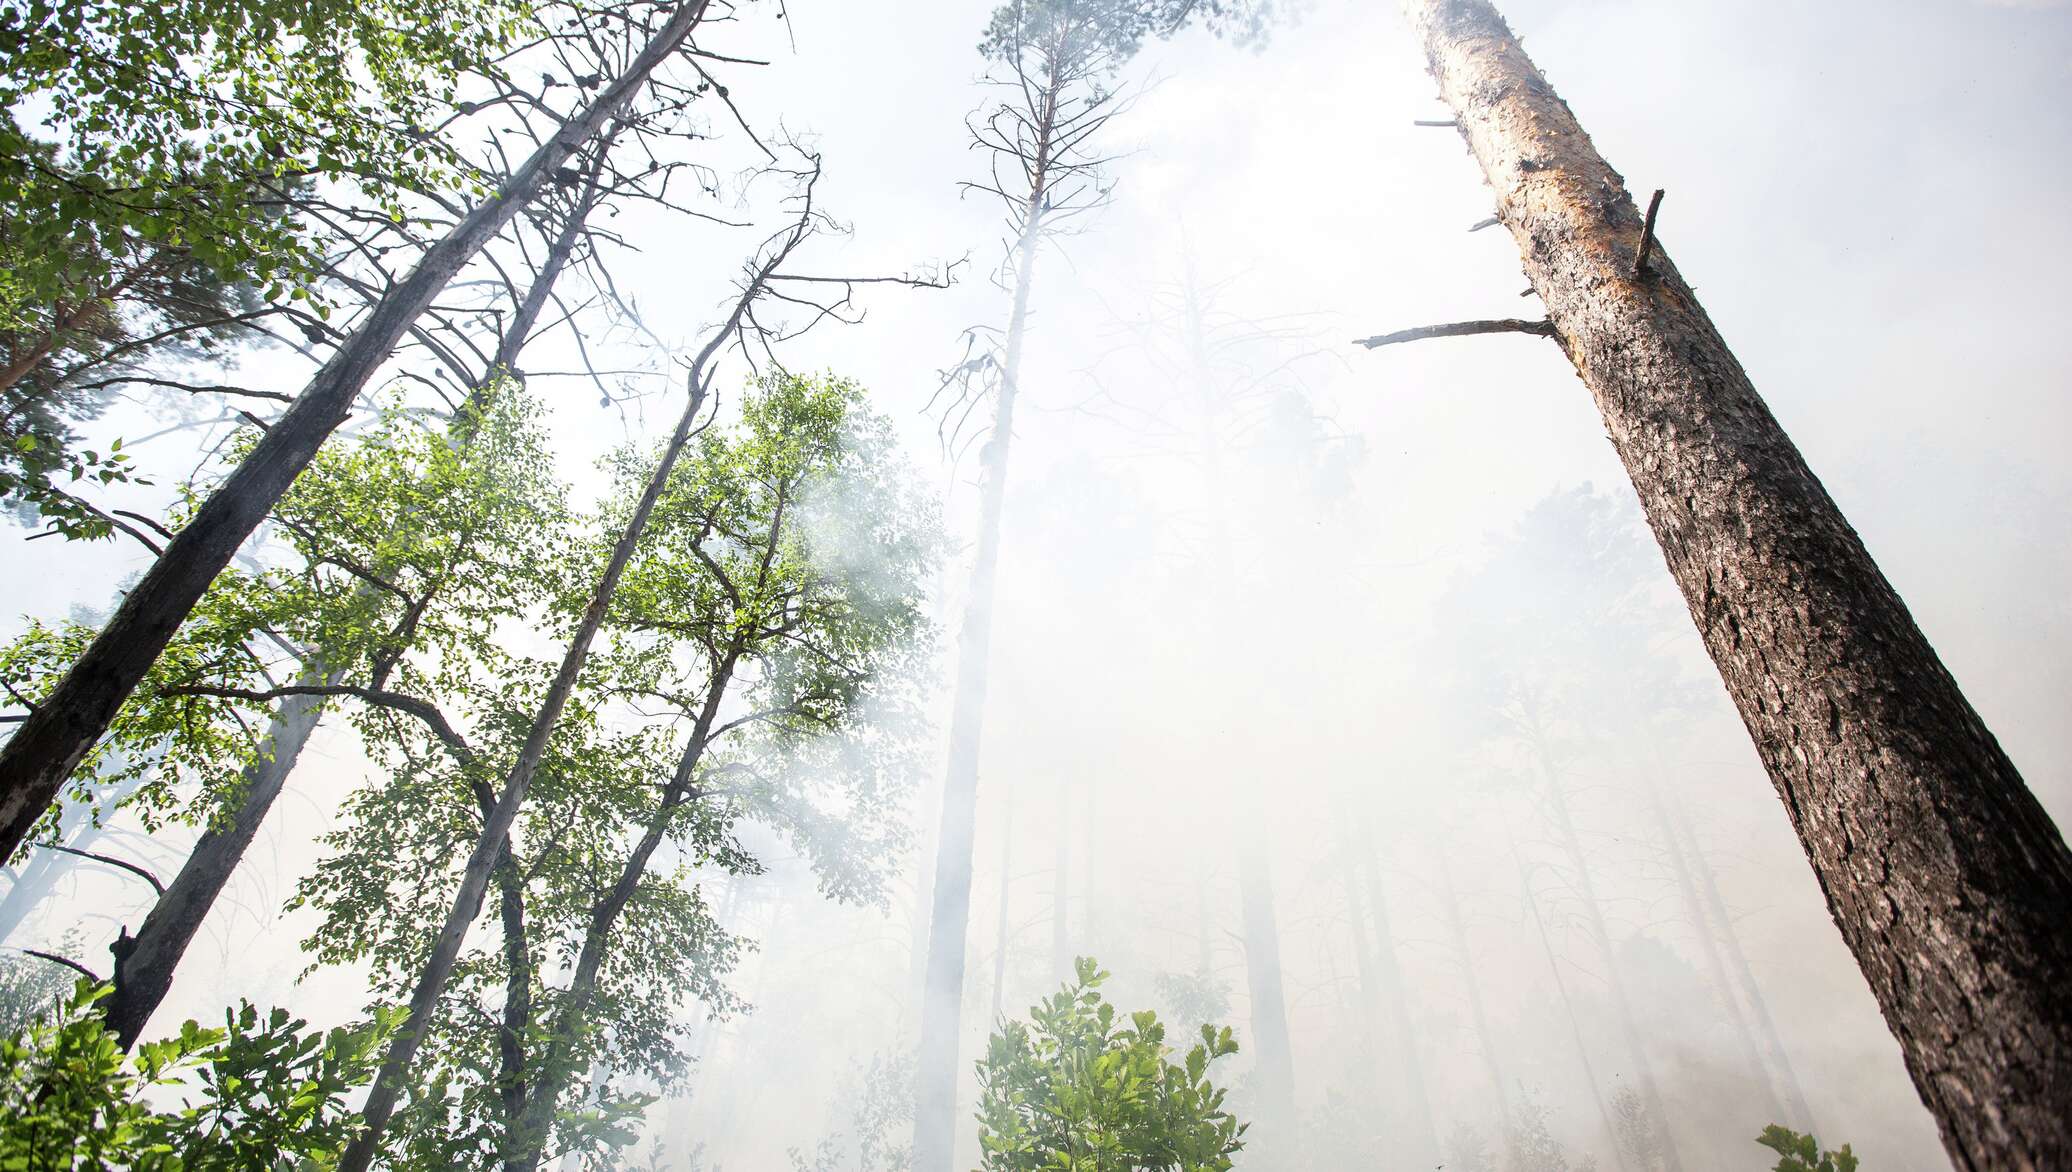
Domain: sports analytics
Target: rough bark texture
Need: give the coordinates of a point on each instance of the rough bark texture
(61, 730)
(1944, 874)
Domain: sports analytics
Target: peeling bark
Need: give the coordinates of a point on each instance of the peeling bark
(1947, 879)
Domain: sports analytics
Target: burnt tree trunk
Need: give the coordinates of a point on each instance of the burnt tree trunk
(144, 967)
(1947, 879)
(63, 728)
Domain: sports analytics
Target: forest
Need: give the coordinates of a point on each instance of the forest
(1035, 585)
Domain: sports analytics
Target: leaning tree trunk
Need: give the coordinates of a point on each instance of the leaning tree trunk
(935, 1089)
(145, 963)
(446, 946)
(63, 728)
(1944, 874)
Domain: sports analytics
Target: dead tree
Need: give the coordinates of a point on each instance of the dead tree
(1046, 173)
(64, 726)
(1945, 875)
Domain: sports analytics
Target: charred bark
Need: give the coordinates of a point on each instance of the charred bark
(1947, 879)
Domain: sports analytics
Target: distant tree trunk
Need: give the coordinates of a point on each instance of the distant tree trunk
(1275, 1064)
(1600, 934)
(63, 728)
(1450, 901)
(1000, 932)
(1568, 1006)
(1948, 880)
(1801, 1115)
(35, 879)
(1061, 890)
(144, 966)
(1715, 964)
(1391, 993)
(935, 1095)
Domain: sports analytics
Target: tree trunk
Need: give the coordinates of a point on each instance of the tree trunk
(1391, 992)
(1061, 890)
(1946, 877)
(1000, 932)
(1600, 934)
(1715, 964)
(1450, 900)
(1801, 1115)
(1568, 1006)
(144, 963)
(381, 1099)
(935, 1092)
(1275, 1063)
(572, 1019)
(144, 969)
(63, 728)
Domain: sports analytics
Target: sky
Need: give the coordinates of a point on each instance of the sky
(1869, 198)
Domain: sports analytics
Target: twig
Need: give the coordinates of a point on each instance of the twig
(68, 962)
(1505, 325)
(1647, 234)
(132, 868)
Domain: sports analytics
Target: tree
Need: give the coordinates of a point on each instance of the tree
(63, 728)
(1079, 1087)
(152, 163)
(1946, 877)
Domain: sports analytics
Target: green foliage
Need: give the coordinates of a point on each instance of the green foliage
(764, 639)
(1107, 33)
(1802, 1153)
(1079, 1088)
(252, 1094)
(401, 539)
(153, 127)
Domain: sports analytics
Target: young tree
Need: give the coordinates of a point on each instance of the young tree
(1077, 1087)
(1946, 877)
(773, 607)
(63, 728)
